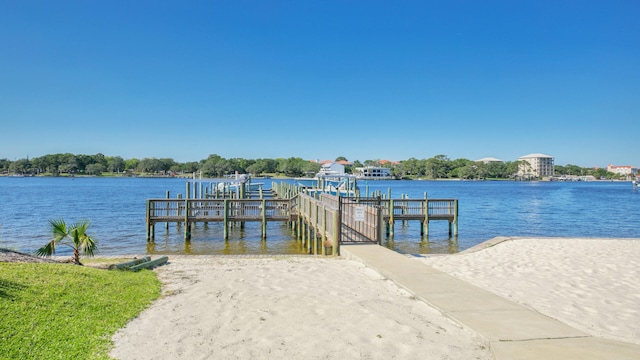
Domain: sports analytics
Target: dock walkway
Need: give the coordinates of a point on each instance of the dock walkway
(513, 331)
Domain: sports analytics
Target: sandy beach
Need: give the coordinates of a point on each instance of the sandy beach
(288, 307)
(590, 284)
(331, 308)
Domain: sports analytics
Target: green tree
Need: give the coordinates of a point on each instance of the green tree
(75, 237)
(216, 166)
(21, 166)
(131, 164)
(94, 169)
(294, 166)
(4, 165)
(115, 164)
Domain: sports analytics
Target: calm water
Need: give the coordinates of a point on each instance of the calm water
(116, 207)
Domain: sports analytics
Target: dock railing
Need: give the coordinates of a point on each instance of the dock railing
(190, 211)
(323, 221)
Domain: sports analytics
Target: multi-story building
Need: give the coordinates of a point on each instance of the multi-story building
(536, 165)
(373, 172)
(622, 170)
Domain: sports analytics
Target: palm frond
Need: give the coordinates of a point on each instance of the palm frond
(88, 245)
(75, 237)
(47, 250)
(59, 228)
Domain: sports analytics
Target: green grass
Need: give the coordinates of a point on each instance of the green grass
(61, 311)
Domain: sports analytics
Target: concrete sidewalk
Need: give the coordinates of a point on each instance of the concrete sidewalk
(514, 332)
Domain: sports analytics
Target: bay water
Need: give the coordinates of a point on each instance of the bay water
(116, 208)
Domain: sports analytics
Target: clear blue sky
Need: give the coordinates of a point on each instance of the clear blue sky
(321, 79)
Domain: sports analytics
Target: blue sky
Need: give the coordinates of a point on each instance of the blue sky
(321, 79)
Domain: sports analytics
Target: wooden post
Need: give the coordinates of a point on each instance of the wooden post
(402, 208)
(379, 225)
(166, 225)
(264, 219)
(315, 235)
(187, 225)
(309, 226)
(324, 230)
(148, 222)
(426, 216)
(455, 218)
(225, 218)
(392, 223)
(336, 234)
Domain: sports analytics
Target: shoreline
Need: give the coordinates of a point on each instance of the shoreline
(273, 306)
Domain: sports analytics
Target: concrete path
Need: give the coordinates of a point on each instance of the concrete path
(514, 332)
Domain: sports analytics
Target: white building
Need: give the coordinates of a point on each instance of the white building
(622, 170)
(487, 160)
(373, 172)
(536, 165)
(330, 169)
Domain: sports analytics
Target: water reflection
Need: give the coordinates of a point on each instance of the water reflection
(208, 239)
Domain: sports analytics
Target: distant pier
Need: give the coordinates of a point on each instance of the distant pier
(321, 220)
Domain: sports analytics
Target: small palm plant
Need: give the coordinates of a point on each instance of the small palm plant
(75, 237)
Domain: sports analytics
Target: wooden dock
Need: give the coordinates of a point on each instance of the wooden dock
(321, 221)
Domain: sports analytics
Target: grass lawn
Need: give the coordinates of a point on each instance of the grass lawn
(63, 311)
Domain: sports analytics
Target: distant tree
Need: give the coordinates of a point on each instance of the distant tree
(115, 164)
(294, 166)
(257, 168)
(341, 158)
(412, 166)
(94, 169)
(189, 167)
(100, 159)
(314, 167)
(512, 167)
(82, 161)
(131, 164)
(437, 167)
(150, 165)
(21, 166)
(216, 166)
(4, 165)
(165, 165)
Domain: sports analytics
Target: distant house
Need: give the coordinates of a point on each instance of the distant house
(487, 160)
(536, 165)
(386, 162)
(373, 173)
(622, 170)
(341, 162)
(331, 169)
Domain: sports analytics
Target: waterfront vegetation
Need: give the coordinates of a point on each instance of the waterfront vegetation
(74, 236)
(437, 167)
(59, 311)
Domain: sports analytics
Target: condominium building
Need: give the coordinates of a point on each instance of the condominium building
(622, 170)
(536, 165)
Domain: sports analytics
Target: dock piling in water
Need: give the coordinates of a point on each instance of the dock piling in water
(321, 221)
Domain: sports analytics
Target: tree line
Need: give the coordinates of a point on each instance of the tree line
(437, 167)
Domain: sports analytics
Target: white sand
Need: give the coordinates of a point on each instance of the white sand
(288, 308)
(590, 284)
